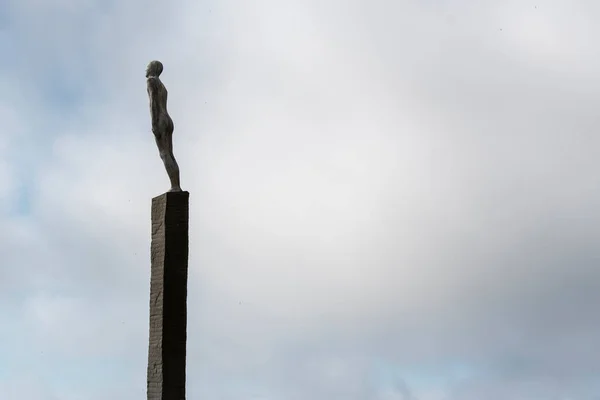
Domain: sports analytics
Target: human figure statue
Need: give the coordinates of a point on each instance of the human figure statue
(162, 124)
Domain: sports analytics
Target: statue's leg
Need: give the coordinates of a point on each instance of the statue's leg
(169, 141)
(173, 171)
(174, 174)
(173, 161)
(164, 143)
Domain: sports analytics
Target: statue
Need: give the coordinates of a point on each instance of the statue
(162, 124)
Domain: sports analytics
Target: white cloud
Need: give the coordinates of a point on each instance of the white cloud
(367, 180)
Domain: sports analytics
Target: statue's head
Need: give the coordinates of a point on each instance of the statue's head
(155, 68)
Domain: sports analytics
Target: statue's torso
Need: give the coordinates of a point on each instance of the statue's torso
(161, 121)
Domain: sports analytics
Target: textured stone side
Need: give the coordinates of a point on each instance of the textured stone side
(168, 297)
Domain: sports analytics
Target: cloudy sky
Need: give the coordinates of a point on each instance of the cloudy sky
(390, 199)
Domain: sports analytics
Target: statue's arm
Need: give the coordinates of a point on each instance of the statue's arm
(153, 86)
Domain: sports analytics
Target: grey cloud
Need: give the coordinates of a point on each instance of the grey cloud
(395, 181)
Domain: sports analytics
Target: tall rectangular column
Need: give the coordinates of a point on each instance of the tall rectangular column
(168, 297)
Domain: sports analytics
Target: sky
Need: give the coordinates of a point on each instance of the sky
(389, 200)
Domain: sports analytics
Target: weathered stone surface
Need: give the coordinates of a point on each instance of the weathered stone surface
(168, 297)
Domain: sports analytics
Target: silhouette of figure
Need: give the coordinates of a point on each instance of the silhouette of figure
(162, 124)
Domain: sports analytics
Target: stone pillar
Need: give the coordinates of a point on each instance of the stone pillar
(168, 297)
